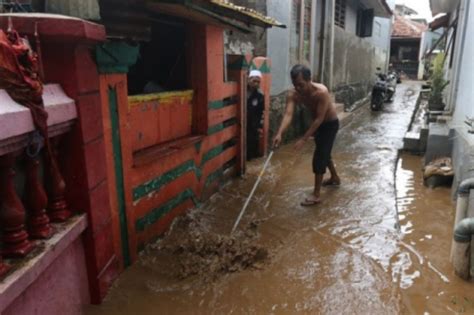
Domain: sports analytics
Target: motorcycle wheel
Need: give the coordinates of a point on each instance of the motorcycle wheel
(390, 98)
(377, 102)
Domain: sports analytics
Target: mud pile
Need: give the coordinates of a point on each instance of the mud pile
(191, 249)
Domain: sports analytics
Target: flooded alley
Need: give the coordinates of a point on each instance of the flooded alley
(378, 244)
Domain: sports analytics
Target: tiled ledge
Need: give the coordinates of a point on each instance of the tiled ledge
(27, 270)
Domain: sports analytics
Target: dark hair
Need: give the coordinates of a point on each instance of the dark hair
(300, 69)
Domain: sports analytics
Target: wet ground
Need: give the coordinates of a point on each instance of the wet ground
(351, 254)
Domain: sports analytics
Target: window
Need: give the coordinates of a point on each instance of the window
(365, 22)
(161, 67)
(160, 99)
(340, 13)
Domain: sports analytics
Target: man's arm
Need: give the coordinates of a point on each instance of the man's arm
(321, 109)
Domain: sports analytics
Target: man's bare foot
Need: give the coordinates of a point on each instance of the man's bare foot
(311, 201)
(331, 182)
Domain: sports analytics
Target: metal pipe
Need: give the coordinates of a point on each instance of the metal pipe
(464, 230)
(461, 213)
(465, 187)
(461, 259)
(462, 248)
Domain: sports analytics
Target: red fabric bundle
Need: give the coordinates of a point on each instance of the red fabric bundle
(19, 77)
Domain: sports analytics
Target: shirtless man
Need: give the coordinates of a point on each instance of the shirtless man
(316, 97)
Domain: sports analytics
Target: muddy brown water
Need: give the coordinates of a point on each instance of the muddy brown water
(344, 256)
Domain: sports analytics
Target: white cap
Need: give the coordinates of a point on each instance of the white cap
(255, 73)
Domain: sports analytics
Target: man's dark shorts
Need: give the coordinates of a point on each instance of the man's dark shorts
(324, 138)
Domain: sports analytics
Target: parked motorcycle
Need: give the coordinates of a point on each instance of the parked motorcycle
(383, 90)
(397, 74)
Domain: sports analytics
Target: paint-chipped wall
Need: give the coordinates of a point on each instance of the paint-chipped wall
(278, 41)
(465, 92)
(279, 52)
(300, 123)
(239, 43)
(355, 63)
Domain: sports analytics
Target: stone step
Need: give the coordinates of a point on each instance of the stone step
(411, 141)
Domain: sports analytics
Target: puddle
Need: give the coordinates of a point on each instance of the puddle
(343, 256)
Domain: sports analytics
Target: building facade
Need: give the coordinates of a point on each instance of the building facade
(342, 41)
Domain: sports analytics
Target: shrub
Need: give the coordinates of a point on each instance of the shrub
(438, 83)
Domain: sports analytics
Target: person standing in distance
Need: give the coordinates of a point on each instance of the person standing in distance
(255, 106)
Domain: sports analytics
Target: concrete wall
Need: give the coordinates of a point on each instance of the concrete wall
(382, 29)
(459, 96)
(351, 16)
(354, 66)
(318, 28)
(463, 150)
(279, 51)
(61, 289)
(355, 58)
(465, 91)
(239, 43)
(278, 43)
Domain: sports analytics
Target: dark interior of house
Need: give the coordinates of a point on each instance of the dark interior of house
(161, 67)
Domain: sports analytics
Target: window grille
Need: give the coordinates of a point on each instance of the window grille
(340, 13)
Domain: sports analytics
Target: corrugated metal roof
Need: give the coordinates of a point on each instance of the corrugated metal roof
(248, 12)
(222, 11)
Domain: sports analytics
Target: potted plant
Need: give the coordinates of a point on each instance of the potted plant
(438, 83)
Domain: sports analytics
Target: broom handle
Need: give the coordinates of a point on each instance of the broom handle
(252, 192)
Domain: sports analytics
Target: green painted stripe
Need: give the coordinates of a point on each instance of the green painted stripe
(158, 182)
(209, 155)
(264, 68)
(215, 104)
(118, 167)
(215, 129)
(214, 176)
(155, 214)
(221, 126)
(162, 180)
(197, 146)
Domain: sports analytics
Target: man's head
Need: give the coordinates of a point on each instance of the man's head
(301, 78)
(255, 77)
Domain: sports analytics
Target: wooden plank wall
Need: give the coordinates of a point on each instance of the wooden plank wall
(154, 192)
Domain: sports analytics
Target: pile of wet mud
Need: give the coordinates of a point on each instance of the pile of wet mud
(191, 249)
